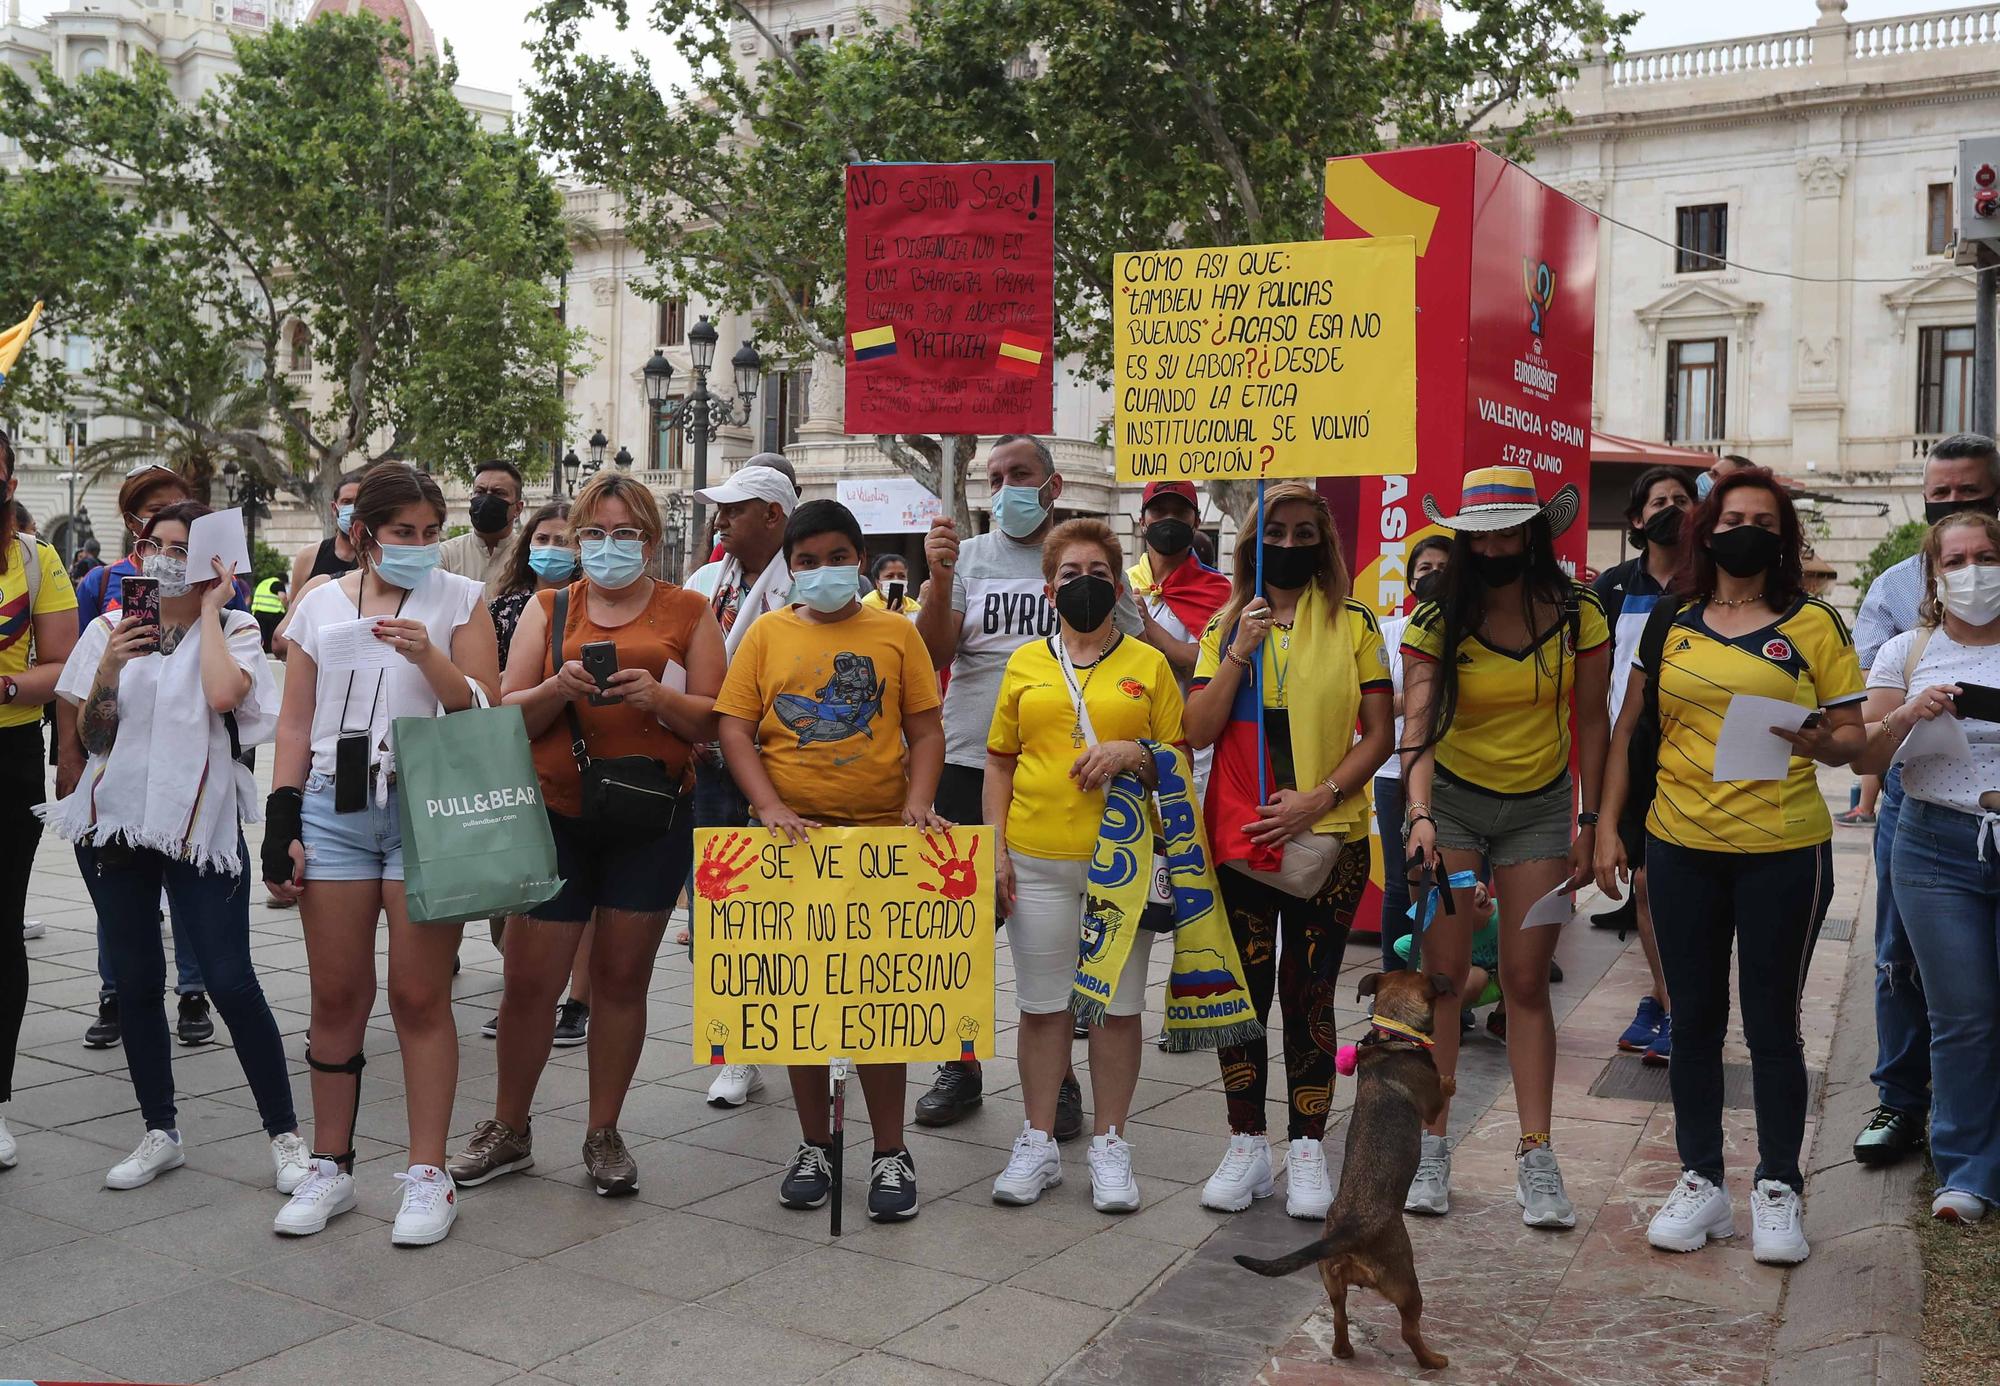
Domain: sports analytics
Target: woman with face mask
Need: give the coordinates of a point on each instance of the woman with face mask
(627, 874)
(166, 705)
(1946, 860)
(1323, 677)
(332, 839)
(1736, 865)
(1072, 710)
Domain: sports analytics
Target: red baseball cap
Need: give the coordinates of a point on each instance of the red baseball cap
(1183, 489)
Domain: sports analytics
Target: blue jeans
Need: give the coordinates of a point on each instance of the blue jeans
(1395, 884)
(718, 803)
(187, 967)
(1902, 1021)
(215, 912)
(1949, 893)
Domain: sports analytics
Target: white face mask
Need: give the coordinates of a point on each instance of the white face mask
(1972, 594)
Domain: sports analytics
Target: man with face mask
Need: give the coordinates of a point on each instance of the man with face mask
(482, 552)
(1961, 473)
(997, 604)
(1176, 593)
(331, 557)
(1718, 469)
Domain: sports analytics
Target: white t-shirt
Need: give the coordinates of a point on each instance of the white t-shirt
(1392, 651)
(1952, 784)
(371, 699)
(1156, 607)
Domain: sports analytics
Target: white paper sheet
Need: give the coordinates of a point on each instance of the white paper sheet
(1943, 735)
(674, 678)
(352, 645)
(218, 535)
(1558, 907)
(1746, 749)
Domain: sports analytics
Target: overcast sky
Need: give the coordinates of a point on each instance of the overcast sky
(487, 35)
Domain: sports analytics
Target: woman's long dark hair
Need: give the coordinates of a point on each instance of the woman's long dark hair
(519, 576)
(1462, 606)
(1695, 578)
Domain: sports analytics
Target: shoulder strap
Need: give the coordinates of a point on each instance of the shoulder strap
(31, 569)
(559, 618)
(1918, 643)
(1653, 648)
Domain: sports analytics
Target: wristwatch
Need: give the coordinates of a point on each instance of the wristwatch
(1339, 794)
(1587, 819)
(9, 689)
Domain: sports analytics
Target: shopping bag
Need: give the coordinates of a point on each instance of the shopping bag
(476, 837)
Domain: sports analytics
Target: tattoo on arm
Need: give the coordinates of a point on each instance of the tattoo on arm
(98, 725)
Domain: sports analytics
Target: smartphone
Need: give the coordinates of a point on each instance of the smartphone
(140, 598)
(1813, 719)
(350, 773)
(893, 592)
(1977, 701)
(600, 661)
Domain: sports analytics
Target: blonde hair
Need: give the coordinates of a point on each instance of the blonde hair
(618, 486)
(1332, 580)
(1930, 611)
(1082, 531)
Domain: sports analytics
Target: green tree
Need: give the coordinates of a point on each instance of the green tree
(1170, 124)
(1898, 544)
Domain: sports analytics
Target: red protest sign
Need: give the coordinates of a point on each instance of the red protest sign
(950, 298)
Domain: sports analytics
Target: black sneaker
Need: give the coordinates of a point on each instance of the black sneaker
(810, 1179)
(956, 1090)
(105, 1032)
(892, 1187)
(1069, 1110)
(1888, 1137)
(195, 1026)
(572, 1024)
(1079, 1030)
(492, 1026)
(1555, 973)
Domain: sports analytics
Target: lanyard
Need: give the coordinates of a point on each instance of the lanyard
(381, 676)
(1083, 734)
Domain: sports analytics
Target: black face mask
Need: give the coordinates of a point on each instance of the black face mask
(1429, 587)
(1938, 510)
(1086, 601)
(1498, 570)
(1663, 529)
(1745, 551)
(1170, 538)
(1293, 566)
(489, 513)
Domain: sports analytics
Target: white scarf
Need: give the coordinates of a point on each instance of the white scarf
(150, 791)
(772, 591)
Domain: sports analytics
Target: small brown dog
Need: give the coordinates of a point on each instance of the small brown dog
(1398, 1091)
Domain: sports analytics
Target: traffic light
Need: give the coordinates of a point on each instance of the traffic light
(1979, 191)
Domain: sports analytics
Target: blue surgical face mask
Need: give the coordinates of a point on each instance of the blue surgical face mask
(826, 590)
(614, 563)
(552, 563)
(406, 565)
(1703, 484)
(1019, 511)
(343, 517)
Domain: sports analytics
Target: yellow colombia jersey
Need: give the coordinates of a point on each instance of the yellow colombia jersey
(1507, 735)
(1804, 657)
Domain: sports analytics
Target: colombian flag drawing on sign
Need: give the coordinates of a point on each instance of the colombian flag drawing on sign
(1020, 354)
(876, 341)
(15, 338)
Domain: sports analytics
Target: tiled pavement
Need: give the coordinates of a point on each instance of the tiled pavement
(703, 1277)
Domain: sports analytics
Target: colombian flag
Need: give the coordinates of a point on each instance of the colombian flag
(876, 341)
(15, 338)
(1020, 354)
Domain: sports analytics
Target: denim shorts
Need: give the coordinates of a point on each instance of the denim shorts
(364, 846)
(1506, 831)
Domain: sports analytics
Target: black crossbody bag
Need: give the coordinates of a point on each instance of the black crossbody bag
(629, 794)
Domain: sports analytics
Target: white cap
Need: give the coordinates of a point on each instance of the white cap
(753, 483)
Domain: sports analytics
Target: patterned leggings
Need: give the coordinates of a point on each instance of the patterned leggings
(1310, 928)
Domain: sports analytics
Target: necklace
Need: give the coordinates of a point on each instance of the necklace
(1077, 692)
(1282, 668)
(1756, 596)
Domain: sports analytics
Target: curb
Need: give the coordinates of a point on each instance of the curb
(1853, 1313)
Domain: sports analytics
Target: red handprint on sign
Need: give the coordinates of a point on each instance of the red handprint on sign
(722, 861)
(958, 877)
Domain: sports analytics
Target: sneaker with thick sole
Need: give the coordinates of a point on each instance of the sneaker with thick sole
(1890, 1134)
(1538, 1188)
(1950, 1205)
(1244, 1174)
(1645, 1024)
(892, 1187)
(105, 1031)
(956, 1090)
(1069, 1110)
(572, 1024)
(1035, 1165)
(1430, 1190)
(1112, 1187)
(1308, 1187)
(156, 1153)
(809, 1179)
(1776, 1235)
(10, 1153)
(328, 1191)
(1695, 1213)
(492, 1026)
(430, 1207)
(734, 1084)
(1660, 1053)
(495, 1149)
(194, 1025)
(291, 1161)
(32, 929)
(612, 1170)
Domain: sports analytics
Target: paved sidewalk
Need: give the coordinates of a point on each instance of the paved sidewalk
(704, 1277)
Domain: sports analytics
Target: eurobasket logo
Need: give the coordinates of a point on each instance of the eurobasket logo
(1540, 282)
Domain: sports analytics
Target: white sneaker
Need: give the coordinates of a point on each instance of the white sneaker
(1244, 1174)
(1308, 1188)
(1950, 1205)
(732, 1087)
(1036, 1164)
(328, 1191)
(32, 929)
(157, 1153)
(291, 1161)
(1430, 1190)
(9, 1152)
(430, 1206)
(1694, 1212)
(1776, 1238)
(1112, 1187)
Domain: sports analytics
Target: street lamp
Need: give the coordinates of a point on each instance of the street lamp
(598, 443)
(569, 468)
(232, 478)
(239, 487)
(623, 461)
(700, 414)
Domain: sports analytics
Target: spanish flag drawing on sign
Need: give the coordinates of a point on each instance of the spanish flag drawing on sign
(874, 342)
(15, 338)
(1020, 354)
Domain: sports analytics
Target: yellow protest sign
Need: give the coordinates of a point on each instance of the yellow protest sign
(1266, 361)
(873, 944)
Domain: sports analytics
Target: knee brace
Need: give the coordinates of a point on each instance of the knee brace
(354, 1066)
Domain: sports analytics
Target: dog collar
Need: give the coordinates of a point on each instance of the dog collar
(1396, 1029)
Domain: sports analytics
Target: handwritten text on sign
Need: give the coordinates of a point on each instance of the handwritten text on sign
(950, 298)
(1266, 361)
(874, 944)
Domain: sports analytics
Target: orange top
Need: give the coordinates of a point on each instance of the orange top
(659, 633)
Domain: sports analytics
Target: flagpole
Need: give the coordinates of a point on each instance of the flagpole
(1257, 664)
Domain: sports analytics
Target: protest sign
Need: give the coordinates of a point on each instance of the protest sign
(950, 298)
(873, 944)
(1254, 362)
(889, 504)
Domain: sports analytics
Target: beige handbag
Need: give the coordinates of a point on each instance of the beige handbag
(1306, 867)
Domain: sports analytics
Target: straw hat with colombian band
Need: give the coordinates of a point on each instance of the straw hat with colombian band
(1494, 498)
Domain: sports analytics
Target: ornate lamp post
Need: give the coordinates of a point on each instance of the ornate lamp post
(567, 481)
(701, 413)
